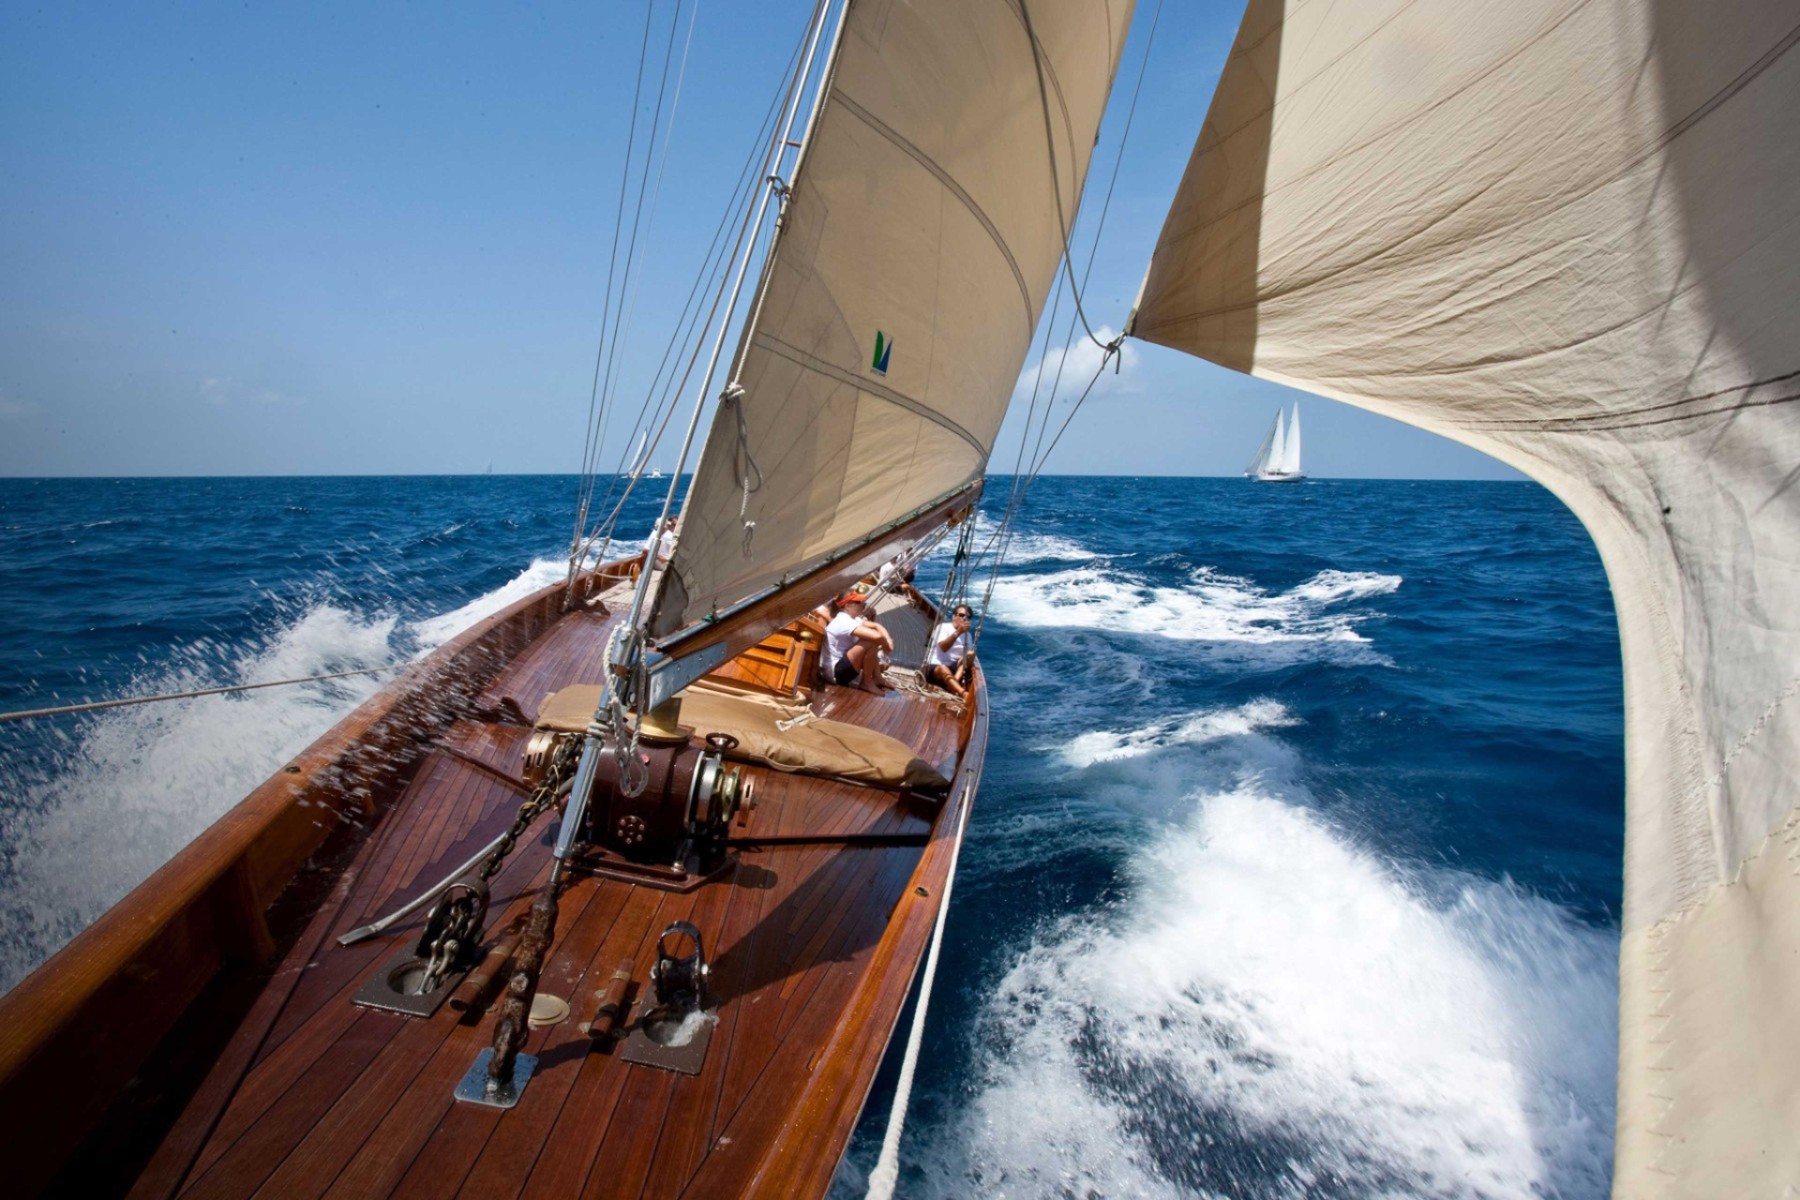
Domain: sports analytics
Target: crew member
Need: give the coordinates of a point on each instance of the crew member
(950, 658)
(854, 645)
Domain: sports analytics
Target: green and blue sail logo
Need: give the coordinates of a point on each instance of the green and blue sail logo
(884, 349)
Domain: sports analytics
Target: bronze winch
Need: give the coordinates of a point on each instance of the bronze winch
(672, 832)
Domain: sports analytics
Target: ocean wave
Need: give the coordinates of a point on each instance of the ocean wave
(1099, 746)
(1275, 1009)
(137, 784)
(1231, 616)
(433, 632)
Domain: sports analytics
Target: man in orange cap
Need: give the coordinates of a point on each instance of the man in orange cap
(853, 645)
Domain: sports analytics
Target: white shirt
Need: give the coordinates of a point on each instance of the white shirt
(840, 635)
(665, 544)
(937, 656)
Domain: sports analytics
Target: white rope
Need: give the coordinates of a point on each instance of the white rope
(886, 1174)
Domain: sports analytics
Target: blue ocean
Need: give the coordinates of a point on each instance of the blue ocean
(1296, 867)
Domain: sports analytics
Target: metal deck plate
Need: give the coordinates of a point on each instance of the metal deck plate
(642, 1048)
(473, 1088)
(382, 991)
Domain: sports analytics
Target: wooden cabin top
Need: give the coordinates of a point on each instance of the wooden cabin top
(268, 1079)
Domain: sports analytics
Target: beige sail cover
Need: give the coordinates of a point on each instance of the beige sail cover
(1568, 234)
(925, 214)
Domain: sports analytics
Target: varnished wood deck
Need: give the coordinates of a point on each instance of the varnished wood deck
(813, 946)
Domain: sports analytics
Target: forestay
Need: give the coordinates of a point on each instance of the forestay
(1568, 233)
(918, 245)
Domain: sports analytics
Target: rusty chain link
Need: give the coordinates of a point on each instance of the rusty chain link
(544, 798)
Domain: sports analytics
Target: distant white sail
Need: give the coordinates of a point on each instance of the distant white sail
(1278, 457)
(1289, 463)
(1265, 453)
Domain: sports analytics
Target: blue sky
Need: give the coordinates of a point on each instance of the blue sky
(373, 239)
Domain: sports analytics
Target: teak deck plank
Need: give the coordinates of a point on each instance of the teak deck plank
(506, 1157)
(343, 1101)
(380, 890)
(585, 1112)
(459, 1138)
(572, 651)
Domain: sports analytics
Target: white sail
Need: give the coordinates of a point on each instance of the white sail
(1290, 448)
(1568, 234)
(1265, 452)
(920, 241)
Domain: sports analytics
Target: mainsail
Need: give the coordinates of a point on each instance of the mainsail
(1289, 462)
(1567, 232)
(918, 245)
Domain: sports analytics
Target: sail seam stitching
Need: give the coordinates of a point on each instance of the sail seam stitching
(1660, 407)
(1596, 425)
(924, 160)
(805, 361)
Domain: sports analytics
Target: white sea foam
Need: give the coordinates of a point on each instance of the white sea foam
(1231, 616)
(435, 631)
(1027, 548)
(1021, 548)
(137, 784)
(1097, 746)
(1273, 1009)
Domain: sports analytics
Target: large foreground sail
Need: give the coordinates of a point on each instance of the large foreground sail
(918, 247)
(1568, 233)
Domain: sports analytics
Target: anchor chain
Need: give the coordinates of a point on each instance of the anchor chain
(546, 796)
(455, 925)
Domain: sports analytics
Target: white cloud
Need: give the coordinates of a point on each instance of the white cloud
(1083, 359)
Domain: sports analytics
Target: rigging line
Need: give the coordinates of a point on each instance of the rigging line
(728, 219)
(745, 230)
(684, 326)
(218, 691)
(584, 490)
(1087, 269)
(690, 313)
(747, 240)
(613, 358)
(608, 345)
(1086, 274)
(999, 558)
(1062, 222)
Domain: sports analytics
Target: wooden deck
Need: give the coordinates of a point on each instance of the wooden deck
(813, 942)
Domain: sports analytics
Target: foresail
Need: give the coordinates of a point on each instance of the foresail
(919, 244)
(1568, 233)
(1266, 451)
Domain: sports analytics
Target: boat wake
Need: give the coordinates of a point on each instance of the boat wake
(1226, 618)
(1273, 1009)
(132, 786)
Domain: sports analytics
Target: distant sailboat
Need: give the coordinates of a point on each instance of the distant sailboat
(1277, 459)
(640, 460)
